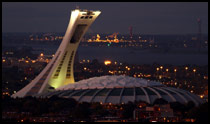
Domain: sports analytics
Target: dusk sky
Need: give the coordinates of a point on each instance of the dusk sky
(145, 17)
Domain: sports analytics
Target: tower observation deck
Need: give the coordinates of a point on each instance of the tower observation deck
(59, 71)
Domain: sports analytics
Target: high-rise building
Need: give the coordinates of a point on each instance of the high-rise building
(131, 32)
(59, 70)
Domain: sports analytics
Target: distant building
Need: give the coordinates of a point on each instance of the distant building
(156, 113)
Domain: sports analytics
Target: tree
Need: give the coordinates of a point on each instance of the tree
(128, 110)
(160, 101)
(200, 113)
(190, 105)
(177, 106)
(82, 111)
(57, 104)
(97, 109)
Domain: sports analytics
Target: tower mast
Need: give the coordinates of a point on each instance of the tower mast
(59, 71)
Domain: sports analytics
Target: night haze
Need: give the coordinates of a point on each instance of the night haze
(105, 62)
(144, 17)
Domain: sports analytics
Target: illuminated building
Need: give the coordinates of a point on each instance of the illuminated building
(122, 89)
(59, 70)
(98, 37)
(114, 35)
(107, 62)
(156, 113)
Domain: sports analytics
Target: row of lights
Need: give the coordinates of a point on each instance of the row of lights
(175, 70)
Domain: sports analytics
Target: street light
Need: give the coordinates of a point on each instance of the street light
(194, 70)
(175, 70)
(186, 68)
(41, 54)
(167, 71)
(161, 67)
(157, 71)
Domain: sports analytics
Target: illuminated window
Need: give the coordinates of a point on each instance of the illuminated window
(115, 92)
(150, 92)
(160, 92)
(79, 93)
(91, 92)
(103, 92)
(128, 92)
(139, 91)
(68, 93)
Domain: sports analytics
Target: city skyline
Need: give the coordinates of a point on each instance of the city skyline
(149, 18)
(107, 78)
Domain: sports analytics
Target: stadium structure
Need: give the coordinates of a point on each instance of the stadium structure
(122, 89)
(57, 77)
(59, 71)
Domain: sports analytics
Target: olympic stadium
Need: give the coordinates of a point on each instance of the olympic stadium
(57, 78)
(121, 89)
